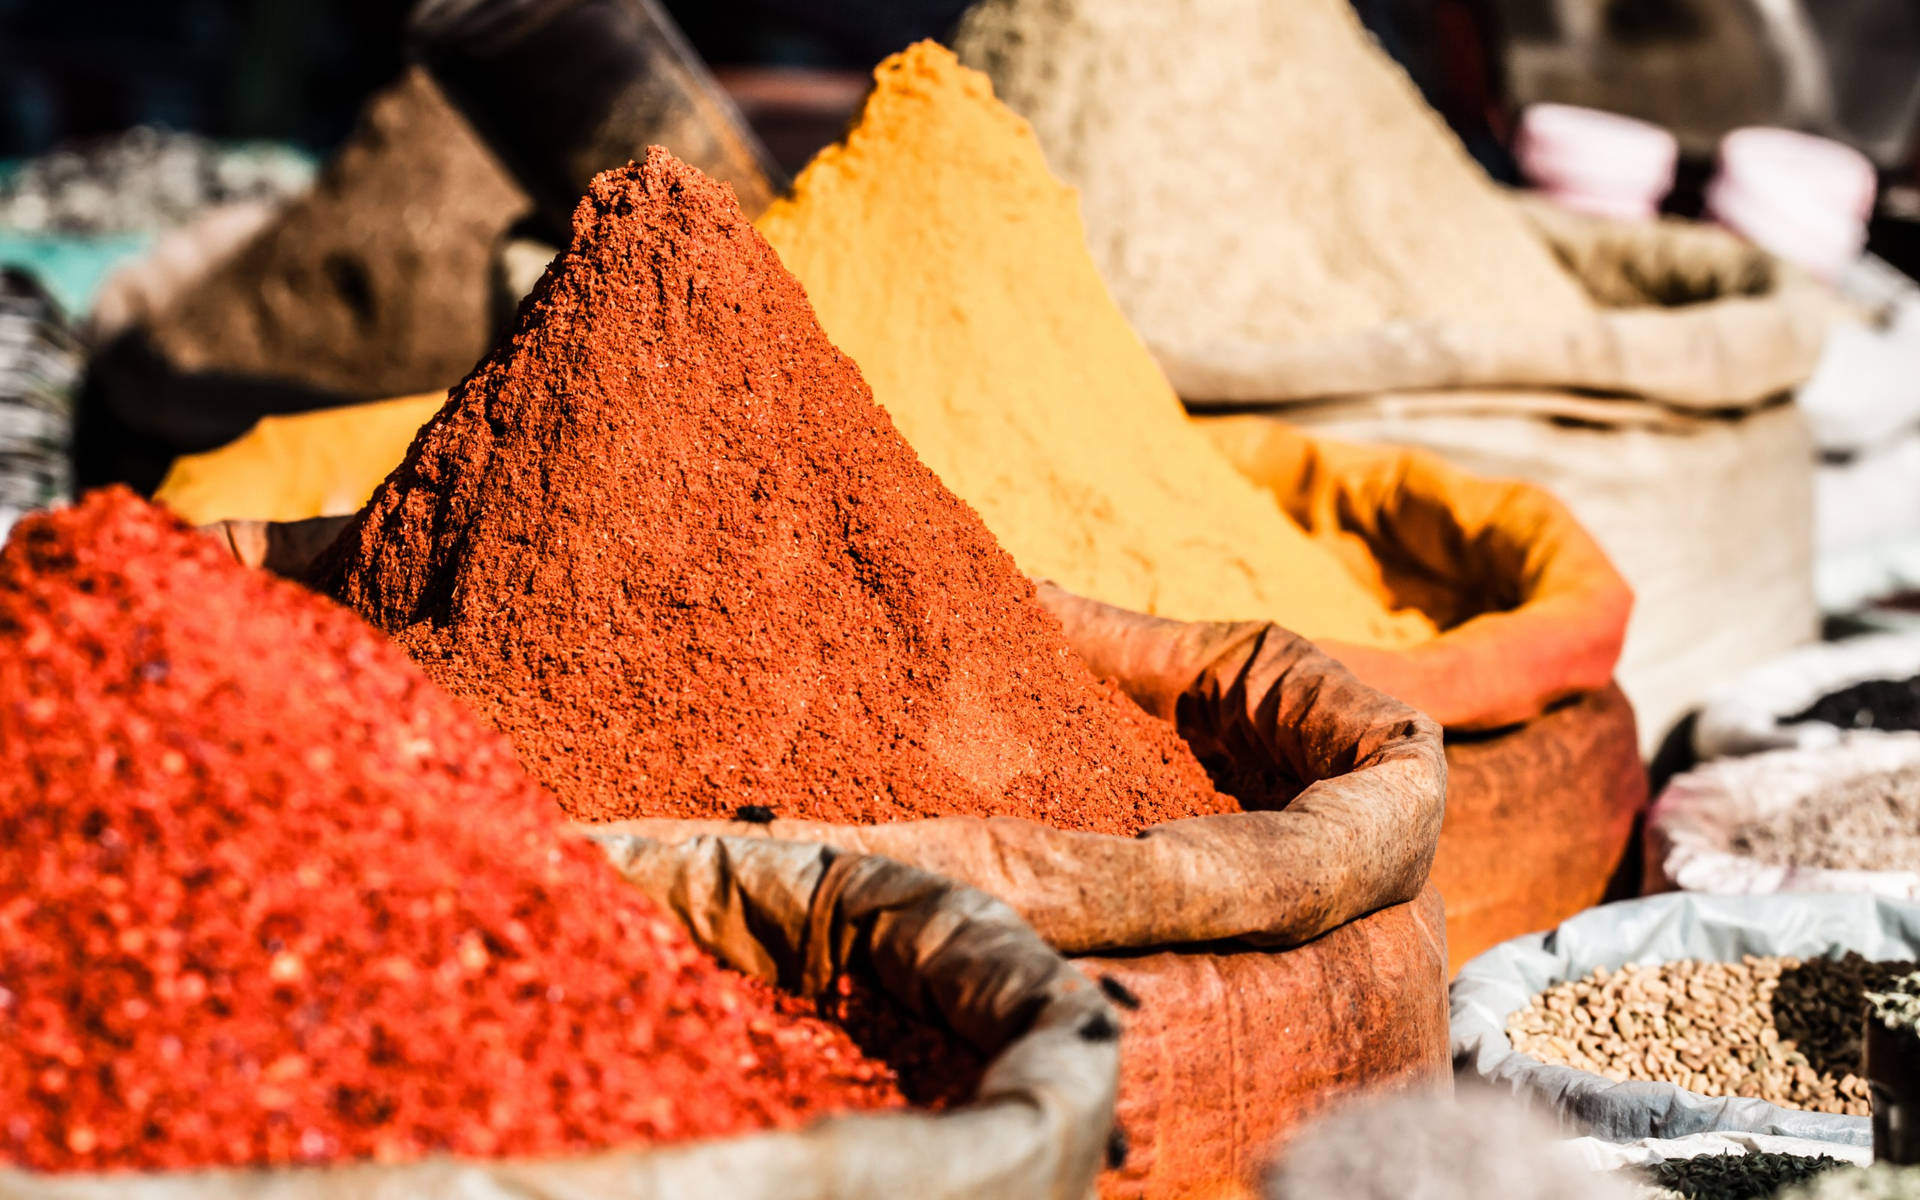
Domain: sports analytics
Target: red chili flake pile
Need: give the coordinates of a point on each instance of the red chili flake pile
(666, 541)
(267, 896)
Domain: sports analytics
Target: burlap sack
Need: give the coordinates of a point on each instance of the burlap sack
(1660, 423)
(1038, 1128)
(1540, 819)
(1230, 1052)
(1689, 316)
(1338, 875)
(1530, 609)
(1232, 1047)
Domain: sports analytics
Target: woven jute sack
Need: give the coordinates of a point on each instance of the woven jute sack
(1339, 973)
(1661, 421)
(1540, 819)
(1531, 610)
(1545, 780)
(1313, 920)
(798, 915)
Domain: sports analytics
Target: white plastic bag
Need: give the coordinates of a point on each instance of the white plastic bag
(1743, 716)
(1652, 930)
(1597, 1154)
(1689, 842)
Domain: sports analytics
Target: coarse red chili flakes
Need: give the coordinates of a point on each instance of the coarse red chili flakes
(267, 896)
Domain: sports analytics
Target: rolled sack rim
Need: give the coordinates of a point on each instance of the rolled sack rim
(1690, 357)
(1360, 836)
(1539, 612)
(1038, 1129)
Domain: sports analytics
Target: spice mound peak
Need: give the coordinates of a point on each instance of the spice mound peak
(268, 897)
(941, 254)
(664, 539)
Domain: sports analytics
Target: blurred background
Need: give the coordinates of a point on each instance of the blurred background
(298, 70)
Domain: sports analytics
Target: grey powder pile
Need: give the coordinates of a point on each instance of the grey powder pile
(1868, 823)
(1471, 1146)
(143, 181)
(1254, 172)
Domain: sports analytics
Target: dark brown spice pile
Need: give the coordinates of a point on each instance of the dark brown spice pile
(378, 283)
(666, 541)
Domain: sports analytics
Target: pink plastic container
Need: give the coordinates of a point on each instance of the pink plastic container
(1801, 197)
(1596, 162)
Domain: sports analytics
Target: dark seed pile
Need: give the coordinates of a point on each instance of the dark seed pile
(1732, 1176)
(1874, 704)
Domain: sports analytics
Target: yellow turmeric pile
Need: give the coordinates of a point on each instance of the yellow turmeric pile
(317, 464)
(944, 257)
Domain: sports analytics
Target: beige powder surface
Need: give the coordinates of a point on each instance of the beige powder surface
(1260, 171)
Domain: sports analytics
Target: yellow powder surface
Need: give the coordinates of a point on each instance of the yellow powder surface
(944, 257)
(317, 464)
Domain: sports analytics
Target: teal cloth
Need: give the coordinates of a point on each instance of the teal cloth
(71, 266)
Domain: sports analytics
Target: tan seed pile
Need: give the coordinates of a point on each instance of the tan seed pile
(1785, 1030)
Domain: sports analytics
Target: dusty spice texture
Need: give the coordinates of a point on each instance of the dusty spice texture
(948, 262)
(664, 539)
(1866, 823)
(267, 896)
(1785, 1030)
(1260, 172)
(377, 283)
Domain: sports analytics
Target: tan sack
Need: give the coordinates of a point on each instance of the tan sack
(1038, 1127)
(1337, 874)
(1359, 836)
(1233, 1046)
(1709, 518)
(1689, 316)
(1662, 423)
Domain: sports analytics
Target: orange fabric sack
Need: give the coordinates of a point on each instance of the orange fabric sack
(1531, 609)
(1230, 1051)
(1306, 930)
(1539, 819)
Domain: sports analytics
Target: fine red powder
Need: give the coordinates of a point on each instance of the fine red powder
(267, 896)
(666, 541)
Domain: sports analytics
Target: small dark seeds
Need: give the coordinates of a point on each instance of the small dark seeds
(1733, 1176)
(1874, 704)
(1117, 1148)
(1119, 993)
(754, 814)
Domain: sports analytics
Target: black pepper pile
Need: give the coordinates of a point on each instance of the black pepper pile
(1732, 1176)
(1892, 704)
